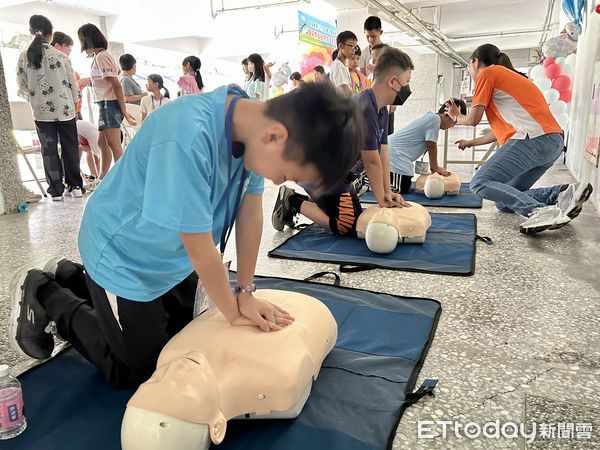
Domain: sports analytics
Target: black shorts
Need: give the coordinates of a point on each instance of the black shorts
(400, 183)
(343, 210)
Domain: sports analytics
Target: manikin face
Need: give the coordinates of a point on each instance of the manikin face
(66, 49)
(373, 36)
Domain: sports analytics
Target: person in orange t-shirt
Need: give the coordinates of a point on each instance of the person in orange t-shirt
(531, 141)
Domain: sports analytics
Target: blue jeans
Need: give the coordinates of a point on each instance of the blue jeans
(506, 178)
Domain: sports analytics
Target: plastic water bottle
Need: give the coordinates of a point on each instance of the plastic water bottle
(12, 420)
(22, 208)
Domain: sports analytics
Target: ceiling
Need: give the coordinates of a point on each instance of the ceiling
(465, 24)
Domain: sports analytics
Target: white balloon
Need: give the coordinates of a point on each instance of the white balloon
(543, 84)
(558, 108)
(570, 60)
(551, 96)
(563, 121)
(560, 60)
(537, 72)
(567, 70)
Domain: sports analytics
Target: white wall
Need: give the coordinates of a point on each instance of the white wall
(587, 66)
(423, 85)
(446, 88)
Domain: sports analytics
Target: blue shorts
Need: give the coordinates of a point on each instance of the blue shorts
(110, 114)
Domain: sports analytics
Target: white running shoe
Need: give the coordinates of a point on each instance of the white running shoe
(571, 200)
(76, 192)
(545, 218)
(57, 198)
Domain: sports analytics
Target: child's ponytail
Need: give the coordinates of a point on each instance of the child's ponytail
(40, 27)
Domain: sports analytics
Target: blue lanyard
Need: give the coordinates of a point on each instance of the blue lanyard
(229, 217)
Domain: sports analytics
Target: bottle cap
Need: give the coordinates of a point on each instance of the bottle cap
(4, 370)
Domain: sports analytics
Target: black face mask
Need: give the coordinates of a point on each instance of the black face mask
(402, 95)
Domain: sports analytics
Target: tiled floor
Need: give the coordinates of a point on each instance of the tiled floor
(518, 341)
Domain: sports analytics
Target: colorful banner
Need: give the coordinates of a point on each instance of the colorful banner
(316, 32)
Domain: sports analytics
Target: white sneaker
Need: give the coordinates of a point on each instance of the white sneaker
(91, 185)
(76, 192)
(30, 197)
(571, 200)
(545, 218)
(57, 198)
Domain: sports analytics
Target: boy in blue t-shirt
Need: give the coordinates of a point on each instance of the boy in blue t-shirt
(149, 231)
(413, 141)
(338, 212)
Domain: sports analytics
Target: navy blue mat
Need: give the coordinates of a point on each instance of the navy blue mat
(466, 199)
(449, 248)
(355, 404)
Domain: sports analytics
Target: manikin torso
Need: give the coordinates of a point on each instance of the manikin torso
(433, 188)
(212, 372)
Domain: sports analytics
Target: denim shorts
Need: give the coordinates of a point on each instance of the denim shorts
(110, 114)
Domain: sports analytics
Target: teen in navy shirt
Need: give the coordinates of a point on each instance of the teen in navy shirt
(338, 211)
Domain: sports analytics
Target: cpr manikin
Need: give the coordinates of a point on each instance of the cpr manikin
(436, 185)
(211, 372)
(384, 228)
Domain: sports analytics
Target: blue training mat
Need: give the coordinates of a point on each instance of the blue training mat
(449, 248)
(466, 199)
(356, 402)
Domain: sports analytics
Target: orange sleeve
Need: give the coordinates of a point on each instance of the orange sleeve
(484, 88)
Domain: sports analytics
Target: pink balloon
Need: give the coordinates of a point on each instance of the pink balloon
(561, 83)
(566, 95)
(548, 61)
(553, 71)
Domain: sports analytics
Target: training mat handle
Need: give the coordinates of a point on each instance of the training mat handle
(486, 240)
(336, 282)
(352, 268)
(426, 388)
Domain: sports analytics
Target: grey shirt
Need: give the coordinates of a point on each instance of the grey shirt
(130, 87)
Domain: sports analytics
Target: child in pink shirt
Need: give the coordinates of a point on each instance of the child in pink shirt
(191, 80)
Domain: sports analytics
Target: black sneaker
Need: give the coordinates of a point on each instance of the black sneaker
(28, 321)
(283, 213)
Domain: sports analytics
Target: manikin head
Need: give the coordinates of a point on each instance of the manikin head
(381, 235)
(434, 188)
(176, 389)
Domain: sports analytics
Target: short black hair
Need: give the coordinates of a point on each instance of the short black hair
(357, 51)
(372, 23)
(460, 103)
(334, 55)
(296, 76)
(389, 59)
(324, 129)
(127, 61)
(319, 69)
(345, 36)
(90, 36)
(245, 62)
(60, 38)
(379, 46)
